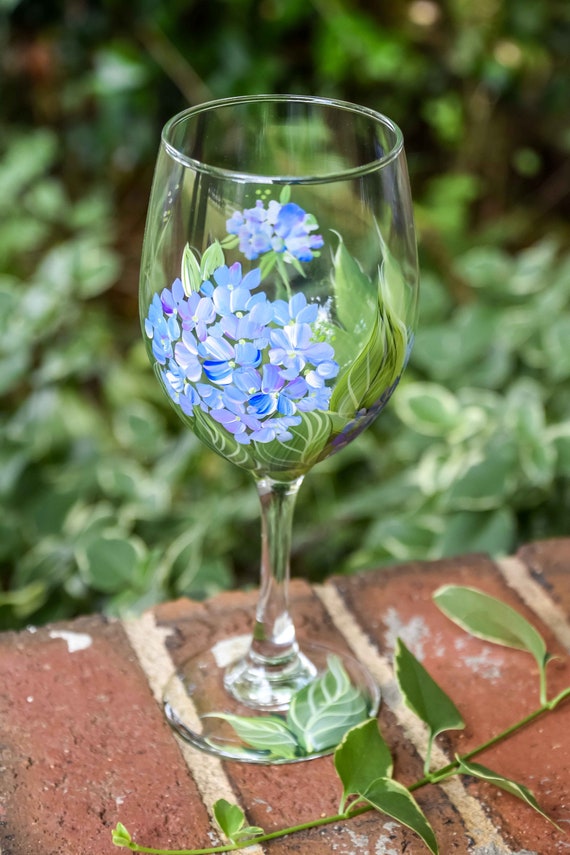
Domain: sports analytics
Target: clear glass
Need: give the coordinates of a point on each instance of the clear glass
(278, 301)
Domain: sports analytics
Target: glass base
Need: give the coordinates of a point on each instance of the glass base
(302, 714)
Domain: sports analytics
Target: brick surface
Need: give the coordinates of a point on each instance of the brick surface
(492, 686)
(549, 563)
(84, 744)
(279, 796)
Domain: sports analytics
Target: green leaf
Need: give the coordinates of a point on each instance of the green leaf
(424, 697)
(285, 194)
(219, 440)
(321, 713)
(492, 620)
(231, 820)
(428, 408)
(121, 836)
(517, 790)
(376, 368)
(355, 296)
(267, 263)
(361, 758)
(190, 271)
(393, 799)
(266, 733)
(303, 450)
(212, 259)
(109, 563)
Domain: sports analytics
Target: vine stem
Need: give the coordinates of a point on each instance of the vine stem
(431, 778)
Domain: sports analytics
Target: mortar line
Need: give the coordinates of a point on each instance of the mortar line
(148, 641)
(518, 577)
(477, 824)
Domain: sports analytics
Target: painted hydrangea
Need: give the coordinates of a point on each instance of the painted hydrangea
(253, 365)
(285, 229)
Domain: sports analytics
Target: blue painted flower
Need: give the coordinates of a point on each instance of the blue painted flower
(296, 310)
(277, 428)
(293, 347)
(186, 355)
(163, 331)
(233, 292)
(197, 313)
(282, 228)
(222, 358)
(275, 395)
(251, 364)
(293, 228)
(234, 418)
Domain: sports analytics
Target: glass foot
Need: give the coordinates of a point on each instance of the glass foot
(303, 715)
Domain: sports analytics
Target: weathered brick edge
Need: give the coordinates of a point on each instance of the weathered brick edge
(83, 742)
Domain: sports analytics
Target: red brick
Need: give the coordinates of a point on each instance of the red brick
(83, 745)
(278, 796)
(549, 563)
(492, 686)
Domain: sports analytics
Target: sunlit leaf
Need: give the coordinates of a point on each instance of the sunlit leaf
(320, 714)
(488, 618)
(229, 817)
(121, 836)
(393, 799)
(361, 758)
(231, 820)
(424, 697)
(517, 790)
(492, 620)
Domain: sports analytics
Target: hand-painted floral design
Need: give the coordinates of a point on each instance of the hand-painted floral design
(253, 365)
(284, 228)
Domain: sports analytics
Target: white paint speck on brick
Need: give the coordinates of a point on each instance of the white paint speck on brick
(413, 632)
(75, 640)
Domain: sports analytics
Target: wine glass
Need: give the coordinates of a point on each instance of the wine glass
(278, 299)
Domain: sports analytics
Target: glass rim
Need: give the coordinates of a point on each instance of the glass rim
(370, 166)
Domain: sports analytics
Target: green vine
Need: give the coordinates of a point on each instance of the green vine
(363, 760)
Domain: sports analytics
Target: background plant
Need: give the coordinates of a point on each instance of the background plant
(106, 502)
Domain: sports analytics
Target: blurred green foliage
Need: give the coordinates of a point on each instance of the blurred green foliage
(107, 503)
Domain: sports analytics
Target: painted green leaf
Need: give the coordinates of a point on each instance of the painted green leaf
(294, 456)
(392, 798)
(212, 259)
(302, 451)
(266, 733)
(488, 618)
(230, 241)
(285, 194)
(321, 713)
(267, 263)
(518, 790)
(361, 758)
(424, 697)
(375, 370)
(220, 440)
(355, 296)
(190, 271)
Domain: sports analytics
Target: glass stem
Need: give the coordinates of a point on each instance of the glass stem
(274, 633)
(274, 668)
